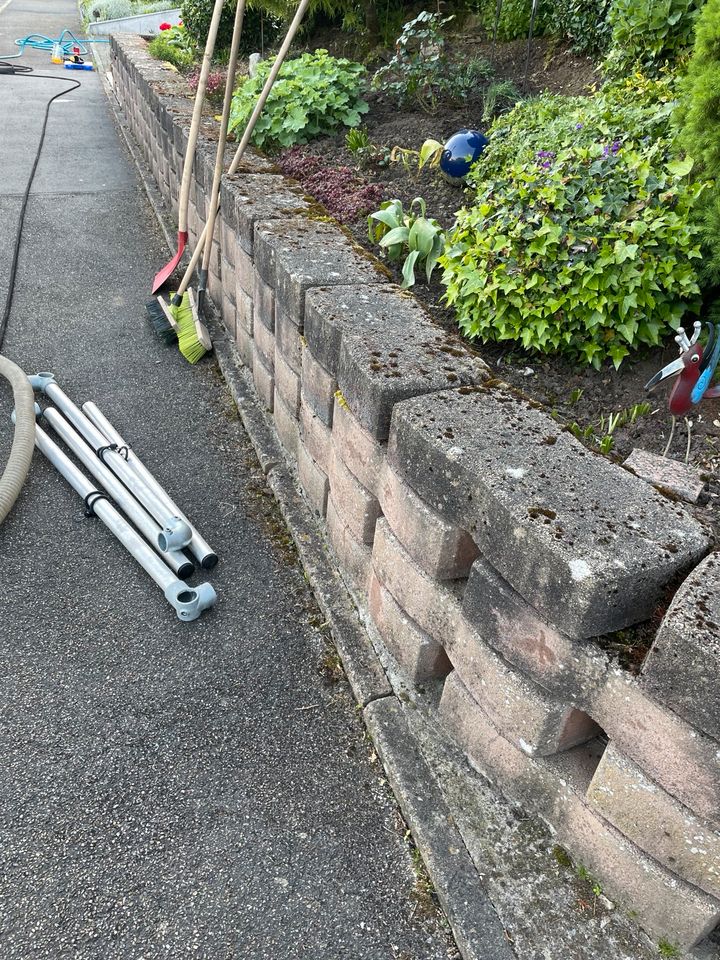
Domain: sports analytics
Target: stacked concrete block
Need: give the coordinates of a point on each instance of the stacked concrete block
(555, 789)
(489, 547)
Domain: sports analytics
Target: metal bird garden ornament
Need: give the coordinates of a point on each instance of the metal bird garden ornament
(694, 370)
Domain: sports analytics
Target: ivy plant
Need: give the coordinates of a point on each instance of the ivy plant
(588, 252)
(407, 233)
(313, 95)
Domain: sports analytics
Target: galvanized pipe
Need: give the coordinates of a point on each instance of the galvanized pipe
(189, 602)
(176, 533)
(176, 560)
(206, 555)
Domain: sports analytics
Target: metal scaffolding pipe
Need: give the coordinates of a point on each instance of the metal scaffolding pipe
(99, 420)
(149, 528)
(188, 602)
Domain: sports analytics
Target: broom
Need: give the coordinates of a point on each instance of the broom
(193, 339)
(163, 275)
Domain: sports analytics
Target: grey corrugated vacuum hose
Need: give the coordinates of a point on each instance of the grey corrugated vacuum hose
(21, 451)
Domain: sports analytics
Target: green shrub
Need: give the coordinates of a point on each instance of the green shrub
(699, 123)
(514, 21)
(174, 46)
(313, 96)
(588, 253)
(420, 70)
(260, 28)
(648, 34)
(625, 112)
(585, 22)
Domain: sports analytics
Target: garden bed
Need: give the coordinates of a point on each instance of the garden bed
(578, 395)
(607, 409)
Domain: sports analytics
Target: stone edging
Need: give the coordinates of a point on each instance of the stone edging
(487, 546)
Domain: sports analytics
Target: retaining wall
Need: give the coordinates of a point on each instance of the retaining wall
(490, 548)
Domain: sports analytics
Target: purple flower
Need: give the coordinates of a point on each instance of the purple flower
(579, 126)
(546, 154)
(614, 148)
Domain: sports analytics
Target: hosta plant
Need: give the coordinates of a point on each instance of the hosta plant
(407, 233)
(313, 95)
(588, 252)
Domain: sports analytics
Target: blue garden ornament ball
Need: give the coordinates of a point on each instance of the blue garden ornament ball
(460, 153)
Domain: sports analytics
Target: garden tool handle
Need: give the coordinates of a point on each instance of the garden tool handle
(196, 117)
(249, 128)
(222, 138)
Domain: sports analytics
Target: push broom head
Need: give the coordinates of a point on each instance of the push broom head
(161, 320)
(193, 337)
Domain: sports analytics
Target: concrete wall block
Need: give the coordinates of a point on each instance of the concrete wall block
(685, 762)
(521, 710)
(434, 606)
(313, 481)
(551, 787)
(353, 556)
(227, 272)
(382, 347)
(244, 272)
(214, 286)
(286, 425)
(293, 255)
(419, 656)
(289, 342)
(228, 238)
(287, 384)
(360, 452)
(443, 550)
(683, 667)
(318, 388)
(245, 346)
(228, 316)
(357, 507)
(655, 821)
(543, 509)
(264, 382)
(316, 438)
(244, 306)
(265, 346)
(263, 304)
(256, 198)
(671, 752)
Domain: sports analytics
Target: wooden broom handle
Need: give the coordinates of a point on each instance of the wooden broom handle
(197, 116)
(249, 128)
(222, 138)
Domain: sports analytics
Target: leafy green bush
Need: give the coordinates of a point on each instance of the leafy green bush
(648, 34)
(174, 46)
(624, 112)
(260, 28)
(313, 95)
(399, 232)
(588, 252)
(585, 22)
(699, 122)
(114, 9)
(514, 21)
(420, 70)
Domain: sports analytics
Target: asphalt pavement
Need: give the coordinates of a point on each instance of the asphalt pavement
(166, 790)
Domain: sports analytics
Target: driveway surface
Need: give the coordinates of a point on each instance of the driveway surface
(166, 790)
